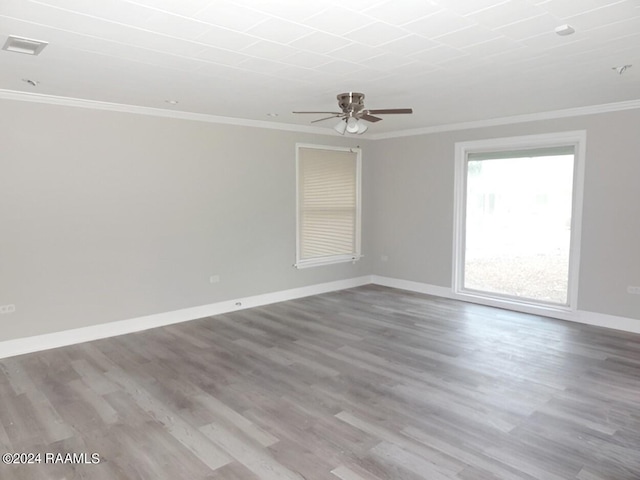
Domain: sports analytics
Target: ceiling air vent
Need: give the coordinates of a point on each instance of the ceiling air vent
(24, 45)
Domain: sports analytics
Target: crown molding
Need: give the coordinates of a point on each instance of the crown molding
(157, 112)
(203, 117)
(529, 117)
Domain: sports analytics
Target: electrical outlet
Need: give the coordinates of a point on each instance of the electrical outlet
(7, 309)
(633, 290)
(214, 279)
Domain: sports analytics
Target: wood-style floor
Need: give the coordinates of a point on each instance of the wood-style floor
(367, 383)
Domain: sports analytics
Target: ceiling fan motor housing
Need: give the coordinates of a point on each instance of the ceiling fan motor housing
(351, 103)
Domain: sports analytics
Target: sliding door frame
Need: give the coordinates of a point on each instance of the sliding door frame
(577, 139)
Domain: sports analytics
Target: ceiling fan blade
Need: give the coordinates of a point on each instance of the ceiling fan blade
(370, 118)
(326, 118)
(391, 110)
(319, 113)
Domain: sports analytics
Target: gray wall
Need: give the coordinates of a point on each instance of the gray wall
(413, 179)
(107, 216)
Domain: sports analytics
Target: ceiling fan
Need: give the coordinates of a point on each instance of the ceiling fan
(353, 111)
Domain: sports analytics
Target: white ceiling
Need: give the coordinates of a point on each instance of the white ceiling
(450, 60)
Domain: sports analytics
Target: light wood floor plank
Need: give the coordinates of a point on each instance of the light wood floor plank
(369, 383)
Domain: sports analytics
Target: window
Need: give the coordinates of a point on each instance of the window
(328, 205)
(518, 204)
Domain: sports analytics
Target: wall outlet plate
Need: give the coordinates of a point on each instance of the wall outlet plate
(633, 290)
(7, 308)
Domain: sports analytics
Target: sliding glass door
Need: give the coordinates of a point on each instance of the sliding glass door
(516, 225)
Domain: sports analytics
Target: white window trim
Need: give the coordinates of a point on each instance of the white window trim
(576, 138)
(332, 259)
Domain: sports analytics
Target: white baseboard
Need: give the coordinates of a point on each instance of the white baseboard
(579, 316)
(412, 286)
(20, 346)
(47, 341)
(607, 321)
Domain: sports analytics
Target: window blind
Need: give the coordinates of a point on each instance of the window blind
(523, 153)
(328, 205)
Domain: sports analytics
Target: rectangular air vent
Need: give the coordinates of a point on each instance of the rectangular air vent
(27, 46)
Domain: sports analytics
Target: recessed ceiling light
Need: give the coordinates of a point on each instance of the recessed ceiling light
(621, 69)
(33, 83)
(564, 30)
(171, 102)
(27, 46)
(272, 114)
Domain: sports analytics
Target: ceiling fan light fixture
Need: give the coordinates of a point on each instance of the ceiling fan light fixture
(361, 128)
(341, 127)
(353, 125)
